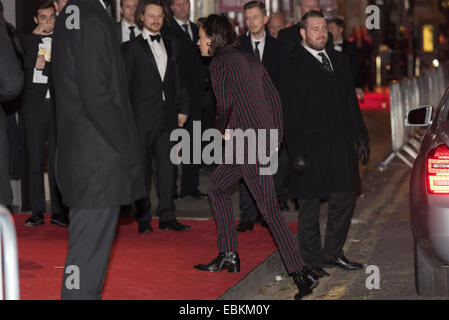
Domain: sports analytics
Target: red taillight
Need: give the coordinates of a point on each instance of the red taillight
(438, 170)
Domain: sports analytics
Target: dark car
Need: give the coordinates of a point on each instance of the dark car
(429, 199)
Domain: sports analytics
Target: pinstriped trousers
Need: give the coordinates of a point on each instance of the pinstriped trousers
(263, 191)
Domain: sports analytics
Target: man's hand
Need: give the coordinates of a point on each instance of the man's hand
(40, 63)
(360, 93)
(182, 118)
(43, 29)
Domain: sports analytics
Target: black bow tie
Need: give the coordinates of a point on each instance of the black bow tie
(156, 37)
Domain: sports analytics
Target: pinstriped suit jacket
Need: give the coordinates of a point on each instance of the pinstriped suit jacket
(246, 96)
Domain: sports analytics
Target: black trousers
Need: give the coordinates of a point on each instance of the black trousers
(40, 127)
(248, 207)
(341, 207)
(91, 235)
(157, 155)
(5, 187)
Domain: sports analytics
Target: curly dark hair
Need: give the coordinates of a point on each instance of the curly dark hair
(140, 11)
(219, 30)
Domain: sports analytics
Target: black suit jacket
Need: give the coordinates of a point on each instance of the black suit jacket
(11, 82)
(291, 38)
(146, 86)
(274, 55)
(350, 49)
(323, 121)
(34, 93)
(194, 69)
(98, 163)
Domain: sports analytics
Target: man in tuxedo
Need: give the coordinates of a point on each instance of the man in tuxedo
(59, 5)
(11, 83)
(326, 136)
(276, 23)
(195, 77)
(39, 116)
(160, 104)
(127, 29)
(291, 37)
(272, 54)
(99, 165)
(336, 28)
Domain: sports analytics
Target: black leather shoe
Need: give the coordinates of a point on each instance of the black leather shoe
(35, 220)
(261, 221)
(145, 228)
(225, 260)
(198, 195)
(60, 219)
(295, 201)
(344, 263)
(284, 206)
(173, 225)
(305, 280)
(244, 226)
(319, 272)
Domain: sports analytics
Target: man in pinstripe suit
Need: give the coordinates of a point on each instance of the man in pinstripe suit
(246, 99)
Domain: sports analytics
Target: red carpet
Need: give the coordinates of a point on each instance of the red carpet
(376, 101)
(158, 266)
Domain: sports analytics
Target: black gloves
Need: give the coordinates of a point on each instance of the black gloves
(363, 151)
(301, 165)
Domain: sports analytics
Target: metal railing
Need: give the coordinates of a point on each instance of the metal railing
(427, 89)
(9, 263)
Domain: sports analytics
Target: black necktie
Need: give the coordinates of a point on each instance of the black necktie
(156, 37)
(186, 29)
(256, 50)
(326, 62)
(132, 34)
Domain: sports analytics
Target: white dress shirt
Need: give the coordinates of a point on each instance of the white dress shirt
(189, 27)
(316, 53)
(261, 45)
(338, 46)
(126, 32)
(159, 53)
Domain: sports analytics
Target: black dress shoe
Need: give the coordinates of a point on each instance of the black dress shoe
(244, 226)
(35, 220)
(319, 272)
(60, 219)
(305, 280)
(173, 225)
(260, 220)
(284, 206)
(296, 203)
(225, 260)
(145, 228)
(344, 263)
(198, 195)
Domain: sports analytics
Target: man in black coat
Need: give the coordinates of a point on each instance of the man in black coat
(271, 52)
(195, 77)
(326, 136)
(160, 104)
(11, 83)
(336, 28)
(98, 165)
(291, 36)
(38, 111)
